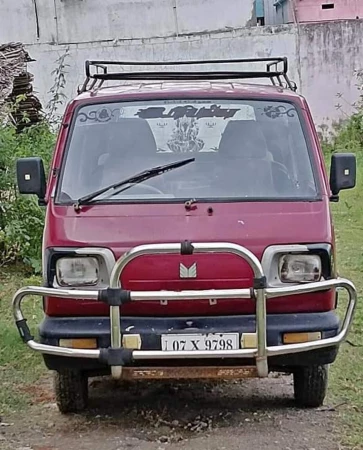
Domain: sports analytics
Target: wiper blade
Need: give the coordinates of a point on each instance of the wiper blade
(137, 178)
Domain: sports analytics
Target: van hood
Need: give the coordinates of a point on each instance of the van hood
(254, 225)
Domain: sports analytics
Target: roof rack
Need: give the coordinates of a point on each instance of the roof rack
(276, 71)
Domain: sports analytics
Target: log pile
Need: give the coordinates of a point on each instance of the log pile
(16, 81)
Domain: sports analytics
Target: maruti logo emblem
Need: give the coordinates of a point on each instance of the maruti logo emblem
(188, 272)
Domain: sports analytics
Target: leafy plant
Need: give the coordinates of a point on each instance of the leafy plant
(347, 135)
(58, 96)
(21, 218)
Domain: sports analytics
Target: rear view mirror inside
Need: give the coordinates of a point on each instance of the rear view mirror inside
(342, 173)
(31, 176)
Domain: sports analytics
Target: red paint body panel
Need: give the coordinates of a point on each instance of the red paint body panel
(255, 225)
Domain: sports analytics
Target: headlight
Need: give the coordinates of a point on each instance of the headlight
(77, 271)
(299, 268)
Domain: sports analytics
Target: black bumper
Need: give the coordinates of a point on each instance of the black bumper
(150, 328)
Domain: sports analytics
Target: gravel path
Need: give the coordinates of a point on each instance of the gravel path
(252, 414)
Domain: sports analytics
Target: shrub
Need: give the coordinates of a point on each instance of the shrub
(21, 219)
(347, 135)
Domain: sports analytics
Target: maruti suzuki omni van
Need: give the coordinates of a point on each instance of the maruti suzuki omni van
(188, 231)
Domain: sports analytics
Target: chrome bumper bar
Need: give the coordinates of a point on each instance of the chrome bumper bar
(116, 356)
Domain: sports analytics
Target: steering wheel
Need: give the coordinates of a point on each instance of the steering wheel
(143, 185)
(282, 183)
(283, 168)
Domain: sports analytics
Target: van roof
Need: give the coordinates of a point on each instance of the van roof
(182, 88)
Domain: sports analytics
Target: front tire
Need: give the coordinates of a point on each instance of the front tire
(71, 390)
(310, 385)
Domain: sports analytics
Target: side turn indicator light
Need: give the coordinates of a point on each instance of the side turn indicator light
(78, 343)
(297, 338)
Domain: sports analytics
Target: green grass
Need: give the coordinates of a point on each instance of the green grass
(346, 376)
(19, 366)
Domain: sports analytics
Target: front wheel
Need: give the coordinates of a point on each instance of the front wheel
(71, 390)
(310, 385)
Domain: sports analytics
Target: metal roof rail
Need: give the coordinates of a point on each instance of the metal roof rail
(276, 71)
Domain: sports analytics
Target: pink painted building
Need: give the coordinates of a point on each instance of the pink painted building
(322, 10)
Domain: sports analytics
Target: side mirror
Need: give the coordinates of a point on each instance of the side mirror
(342, 173)
(31, 177)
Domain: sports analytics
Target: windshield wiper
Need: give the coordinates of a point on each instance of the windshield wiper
(138, 178)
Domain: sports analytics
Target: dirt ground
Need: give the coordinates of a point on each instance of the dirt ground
(251, 414)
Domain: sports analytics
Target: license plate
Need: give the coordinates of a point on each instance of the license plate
(190, 342)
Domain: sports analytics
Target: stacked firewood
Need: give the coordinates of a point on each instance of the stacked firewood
(17, 99)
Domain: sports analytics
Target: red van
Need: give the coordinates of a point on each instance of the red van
(188, 231)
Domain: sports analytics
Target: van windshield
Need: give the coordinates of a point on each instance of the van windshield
(243, 150)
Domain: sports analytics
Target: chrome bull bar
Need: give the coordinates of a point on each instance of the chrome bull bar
(115, 296)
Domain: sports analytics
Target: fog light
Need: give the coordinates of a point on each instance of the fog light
(131, 341)
(78, 343)
(297, 338)
(249, 340)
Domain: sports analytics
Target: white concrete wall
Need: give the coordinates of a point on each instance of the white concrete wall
(330, 53)
(75, 21)
(28, 21)
(254, 42)
(322, 57)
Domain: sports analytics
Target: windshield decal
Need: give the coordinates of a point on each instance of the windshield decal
(273, 112)
(187, 111)
(184, 138)
(102, 114)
